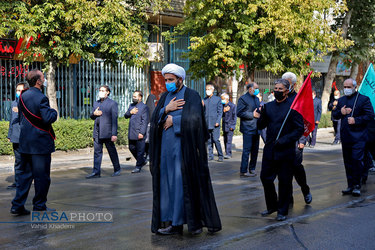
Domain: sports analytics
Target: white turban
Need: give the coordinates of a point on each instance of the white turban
(174, 69)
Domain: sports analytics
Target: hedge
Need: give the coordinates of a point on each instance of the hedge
(70, 134)
(75, 134)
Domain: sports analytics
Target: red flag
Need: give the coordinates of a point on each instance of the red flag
(334, 85)
(303, 104)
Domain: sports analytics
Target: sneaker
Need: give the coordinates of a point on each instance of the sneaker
(252, 173)
(227, 157)
(356, 191)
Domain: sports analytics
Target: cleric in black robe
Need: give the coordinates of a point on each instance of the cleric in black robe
(196, 206)
(279, 154)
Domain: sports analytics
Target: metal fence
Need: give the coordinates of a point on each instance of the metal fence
(77, 85)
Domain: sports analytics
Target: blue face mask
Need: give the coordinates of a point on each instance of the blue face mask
(256, 91)
(171, 87)
(223, 102)
(17, 95)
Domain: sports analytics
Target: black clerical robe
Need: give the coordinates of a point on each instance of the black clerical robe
(199, 200)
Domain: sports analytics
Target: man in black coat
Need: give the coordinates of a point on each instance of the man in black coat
(14, 132)
(317, 114)
(184, 121)
(355, 111)
(246, 108)
(36, 145)
(138, 113)
(228, 123)
(279, 153)
(299, 172)
(336, 123)
(105, 114)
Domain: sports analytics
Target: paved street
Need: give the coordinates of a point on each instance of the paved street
(331, 221)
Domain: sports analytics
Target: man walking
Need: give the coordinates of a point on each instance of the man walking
(355, 112)
(138, 113)
(36, 145)
(14, 132)
(299, 172)
(246, 111)
(229, 123)
(105, 114)
(279, 152)
(213, 114)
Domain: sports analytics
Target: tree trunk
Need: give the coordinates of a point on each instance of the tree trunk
(333, 65)
(51, 87)
(328, 83)
(354, 71)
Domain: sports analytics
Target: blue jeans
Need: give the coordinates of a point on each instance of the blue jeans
(214, 139)
(250, 146)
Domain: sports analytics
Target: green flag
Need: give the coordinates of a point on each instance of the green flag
(367, 87)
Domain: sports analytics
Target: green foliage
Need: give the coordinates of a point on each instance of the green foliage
(111, 29)
(325, 120)
(275, 35)
(361, 31)
(5, 146)
(70, 134)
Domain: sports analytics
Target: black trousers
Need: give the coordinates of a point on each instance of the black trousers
(98, 154)
(37, 168)
(283, 170)
(299, 172)
(353, 154)
(137, 148)
(17, 161)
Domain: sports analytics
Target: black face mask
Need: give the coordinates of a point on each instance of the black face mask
(279, 95)
(135, 101)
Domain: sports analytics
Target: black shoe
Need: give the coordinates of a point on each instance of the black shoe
(170, 230)
(227, 157)
(268, 212)
(280, 217)
(197, 232)
(136, 170)
(349, 190)
(220, 159)
(13, 186)
(93, 175)
(19, 212)
(356, 191)
(117, 173)
(47, 209)
(308, 198)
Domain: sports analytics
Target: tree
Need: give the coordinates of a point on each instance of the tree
(110, 29)
(275, 35)
(358, 25)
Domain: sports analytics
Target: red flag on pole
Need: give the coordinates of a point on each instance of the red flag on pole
(303, 104)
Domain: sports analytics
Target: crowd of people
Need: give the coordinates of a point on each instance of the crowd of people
(177, 138)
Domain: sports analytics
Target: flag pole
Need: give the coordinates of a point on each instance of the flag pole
(282, 126)
(287, 115)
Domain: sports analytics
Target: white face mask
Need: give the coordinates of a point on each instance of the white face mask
(45, 83)
(102, 94)
(348, 92)
(337, 97)
(209, 92)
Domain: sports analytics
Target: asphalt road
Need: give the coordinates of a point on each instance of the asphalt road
(331, 221)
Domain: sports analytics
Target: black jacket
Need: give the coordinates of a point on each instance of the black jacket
(199, 200)
(363, 114)
(138, 122)
(105, 125)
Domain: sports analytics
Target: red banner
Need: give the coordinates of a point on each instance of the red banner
(303, 104)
